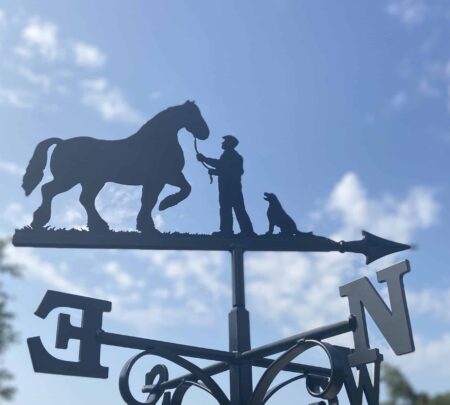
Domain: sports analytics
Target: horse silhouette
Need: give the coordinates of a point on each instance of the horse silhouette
(152, 158)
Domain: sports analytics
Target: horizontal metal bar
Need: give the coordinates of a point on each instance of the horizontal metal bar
(134, 240)
(284, 344)
(294, 367)
(131, 342)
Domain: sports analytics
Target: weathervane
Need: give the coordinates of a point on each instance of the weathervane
(153, 158)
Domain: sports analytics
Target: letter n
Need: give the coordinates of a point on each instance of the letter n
(393, 323)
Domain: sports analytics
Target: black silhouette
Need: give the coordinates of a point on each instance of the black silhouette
(229, 169)
(152, 157)
(278, 217)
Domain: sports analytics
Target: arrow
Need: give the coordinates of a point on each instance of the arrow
(372, 246)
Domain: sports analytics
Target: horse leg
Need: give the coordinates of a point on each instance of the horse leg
(144, 220)
(87, 199)
(185, 189)
(49, 190)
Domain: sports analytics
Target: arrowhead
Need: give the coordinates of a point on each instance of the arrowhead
(376, 247)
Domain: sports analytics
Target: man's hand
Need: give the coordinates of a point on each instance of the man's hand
(212, 172)
(201, 157)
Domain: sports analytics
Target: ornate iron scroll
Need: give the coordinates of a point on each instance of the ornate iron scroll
(156, 390)
(322, 383)
(319, 386)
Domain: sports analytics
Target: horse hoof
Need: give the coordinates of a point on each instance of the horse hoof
(38, 226)
(149, 231)
(164, 205)
(35, 227)
(147, 228)
(99, 228)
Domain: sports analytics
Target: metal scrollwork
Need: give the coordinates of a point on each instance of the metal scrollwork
(277, 388)
(180, 391)
(324, 387)
(158, 376)
(154, 390)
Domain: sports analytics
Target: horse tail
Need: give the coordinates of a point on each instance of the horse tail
(35, 170)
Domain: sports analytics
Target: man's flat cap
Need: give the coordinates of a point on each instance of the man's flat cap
(232, 139)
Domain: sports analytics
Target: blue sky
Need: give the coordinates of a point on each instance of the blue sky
(342, 110)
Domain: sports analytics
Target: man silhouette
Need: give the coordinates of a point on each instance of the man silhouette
(229, 169)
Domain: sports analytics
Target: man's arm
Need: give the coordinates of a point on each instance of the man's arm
(212, 162)
(209, 161)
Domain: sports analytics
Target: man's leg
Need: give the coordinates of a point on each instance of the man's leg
(241, 214)
(226, 214)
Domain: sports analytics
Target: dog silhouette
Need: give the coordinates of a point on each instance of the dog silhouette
(278, 217)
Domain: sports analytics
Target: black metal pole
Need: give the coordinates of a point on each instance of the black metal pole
(241, 387)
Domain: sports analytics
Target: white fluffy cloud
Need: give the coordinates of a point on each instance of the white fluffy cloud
(190, 273)
(123, 279)
(432, 302)
(15, 215)
(428, 89)
(399, 99)
(39, 79)
(297, 292)
(189, 287)
(18, 98)
(55, 276)
(389, 216)
(11, 168)
(119, 205)
(427, 71)
(108, 101)
(40, 37)
(87, 55)
(431, 355)
(193, 289)
(70, 216)
(302, 291)
(41, 41)
(155, 95)
(408, 11)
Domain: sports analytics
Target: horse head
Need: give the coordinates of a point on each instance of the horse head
(194, 122)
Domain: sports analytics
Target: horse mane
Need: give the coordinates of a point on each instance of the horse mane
(152, 126)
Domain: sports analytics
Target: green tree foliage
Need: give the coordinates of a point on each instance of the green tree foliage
(7, 335)
(400, 391)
